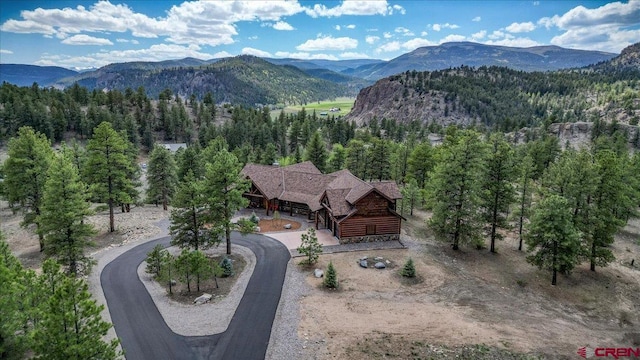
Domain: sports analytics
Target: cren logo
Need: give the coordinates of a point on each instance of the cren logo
(586, 352)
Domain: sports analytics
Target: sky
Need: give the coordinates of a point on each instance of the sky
(88, 34)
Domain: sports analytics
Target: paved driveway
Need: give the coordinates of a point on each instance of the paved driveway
(292, 239)
(144, 334)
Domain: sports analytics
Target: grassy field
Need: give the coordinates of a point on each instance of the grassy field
(344, 104)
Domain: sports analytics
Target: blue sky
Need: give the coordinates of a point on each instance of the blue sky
(84, 34)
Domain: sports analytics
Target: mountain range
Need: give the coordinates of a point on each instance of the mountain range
(249, 80)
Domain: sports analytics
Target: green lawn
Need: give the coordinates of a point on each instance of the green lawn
(344, 104)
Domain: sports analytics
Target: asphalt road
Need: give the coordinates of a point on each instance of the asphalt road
(144, 334)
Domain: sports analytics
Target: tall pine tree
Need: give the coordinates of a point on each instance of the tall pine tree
(316, 151)
(161, 176)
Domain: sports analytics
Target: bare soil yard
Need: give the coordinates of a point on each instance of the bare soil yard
(471, 304)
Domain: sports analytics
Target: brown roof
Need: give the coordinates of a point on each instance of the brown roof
(304, 183)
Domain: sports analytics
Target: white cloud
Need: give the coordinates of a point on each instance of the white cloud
(606, 28)
(416, 43)
(328, 43)
(255, 52)
(497, 34)
(135, 42)
(359, 7)
(389, 47)
(476, 19)
(206, 22)
(404, 31)
(83, 39)
(479, 35)
(387, 35)
(337, 27)
(282, 25)
(399, 9)
(521, 27)
(5, 51)
(351, 26)
(122, 40)
(154, 53)
(453, 38)
(305, 56)
(371, 39)
(254, 37)
(424, 33)
(536, 3)
(514, 42)
(221, 54)
(438, 27)
(353, 55)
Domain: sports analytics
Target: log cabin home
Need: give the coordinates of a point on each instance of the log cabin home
(352, 209)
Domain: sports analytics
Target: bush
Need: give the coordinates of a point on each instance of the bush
(310, 246)
(331, 277)
(254, 218)
(227, 267)
(156, 260)
(409, 269)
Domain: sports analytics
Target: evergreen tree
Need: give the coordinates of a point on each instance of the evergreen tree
(14, 329)
(227, 267)
(25, 174)
(62, 220)
(410, 196)
(409, 269)
(71, 326)
(552, 238)
(309, 246)
(498, 193)
(189, 216)
(200, 266)
(108, 169)
(379, 160)
(525, 191)
(161, 176)
(224, 187)
(456, 187)
(357, 158)
(331, 277)
(190, 159)
(316, 151)
(337, 158)
(156, 261)
(420, 163)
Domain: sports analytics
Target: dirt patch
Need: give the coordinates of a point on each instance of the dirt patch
(223, 287)
(470, 297)
(270, 225)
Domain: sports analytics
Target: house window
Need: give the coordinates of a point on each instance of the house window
(371, 229)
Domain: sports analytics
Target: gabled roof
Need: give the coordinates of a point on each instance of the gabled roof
(304, 183)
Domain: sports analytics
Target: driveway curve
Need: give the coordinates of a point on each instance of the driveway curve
(144, 334)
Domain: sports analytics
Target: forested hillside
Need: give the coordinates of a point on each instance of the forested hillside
(502, 98)
(242, 80)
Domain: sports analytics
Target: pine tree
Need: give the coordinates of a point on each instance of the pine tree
(227, 267)
(190, 215)
(379, 159)
(309, 246)
(331, 277)
(498, 193)
(525, 191)
(224, 186)
(156, 261)
(108, 169)
(25, 174)
(337, 158)
(71, 326)
(356, 158)
(14, 328)
(201, 267)
(409, 269)
(552, 238)
(62, 220)
(161, 176)
(316, 151)
(456, 187)
(421, 163)
(410, 196)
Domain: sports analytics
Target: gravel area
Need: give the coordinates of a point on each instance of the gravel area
(285, 343)
(205, 319)
(382, 245)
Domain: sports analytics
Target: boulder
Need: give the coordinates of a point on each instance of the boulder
(202, 299)
(363, 263)
(287, 226)
(257, 229)
(380, 265)
(378, 258)
(318, 273)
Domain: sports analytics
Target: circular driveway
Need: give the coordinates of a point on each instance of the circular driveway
(144, 334)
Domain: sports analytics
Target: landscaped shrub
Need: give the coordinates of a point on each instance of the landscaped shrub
(254, 218)
(409, 269)
(310, 247)
(227, 267)
(331, 277)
